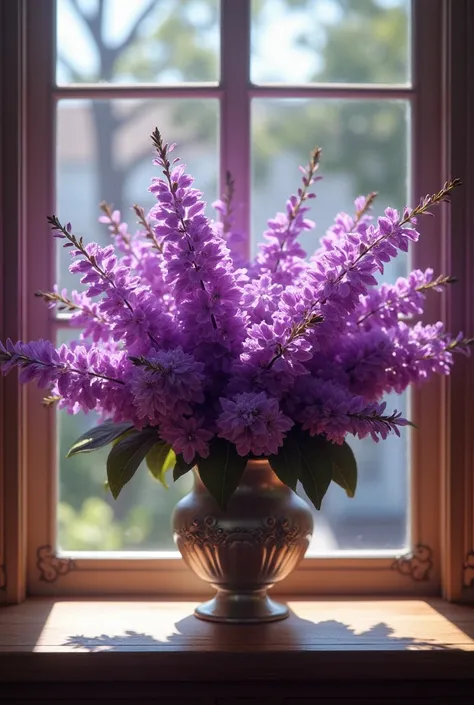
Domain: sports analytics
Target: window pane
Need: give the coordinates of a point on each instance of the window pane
(376, 519)
(144, 41)
(104, 153)
(89, 518)
(365, 148)
(330, 41)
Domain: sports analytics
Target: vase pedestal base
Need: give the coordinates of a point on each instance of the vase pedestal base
(241, 608)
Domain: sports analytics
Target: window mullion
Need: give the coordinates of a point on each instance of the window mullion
(235, 107)
(427, 177)
(332, 90)
(40, 432)
(12, 302)
(457, 483)
(110, 91)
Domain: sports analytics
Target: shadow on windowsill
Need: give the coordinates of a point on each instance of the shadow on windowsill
(291, 634)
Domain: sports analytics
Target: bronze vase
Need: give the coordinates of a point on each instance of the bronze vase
(242, 552)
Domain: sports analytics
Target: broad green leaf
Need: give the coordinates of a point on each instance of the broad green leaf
(160, 459)
(99, 437)
(286, 464)
(125, 458)
(222, 470)
(117, 440)
(344, 468)
(316, 465)
(181, 467)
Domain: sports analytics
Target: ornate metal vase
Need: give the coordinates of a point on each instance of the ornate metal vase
(242, 552)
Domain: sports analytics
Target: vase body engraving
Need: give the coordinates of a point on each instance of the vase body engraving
(258, 541)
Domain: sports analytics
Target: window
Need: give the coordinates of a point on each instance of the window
(109, 157)
(248, 87)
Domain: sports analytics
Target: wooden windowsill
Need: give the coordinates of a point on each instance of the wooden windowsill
(95, 639)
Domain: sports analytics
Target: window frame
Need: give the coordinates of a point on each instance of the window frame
(28, 431)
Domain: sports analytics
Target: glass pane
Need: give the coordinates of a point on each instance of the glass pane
(376, 519)
(144, 41)
(104, 153)
(89, 518)
(365, 148)
(330, 41)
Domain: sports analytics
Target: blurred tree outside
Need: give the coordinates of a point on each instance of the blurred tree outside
(153, 48)
(164, 43)
(363, 41)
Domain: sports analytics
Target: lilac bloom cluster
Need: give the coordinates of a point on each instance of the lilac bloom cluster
(82, 378)
(344, 224)
(281, 256)
(199, 269)
(181, 335)
(254, 423)
(386, 304)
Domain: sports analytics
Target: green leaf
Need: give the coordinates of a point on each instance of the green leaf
(316, 465)
(344, 468)
(160, 459)
(117, 440)
(99, 437)
(125, 458)
(287, 463)
(181, 467)
(222, 470)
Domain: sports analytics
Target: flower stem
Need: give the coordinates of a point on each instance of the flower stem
(24, 361)
(79, 244)
(442, 280)
(68, 304)
(140, 213)
(311, 169)
(227, 199)
(107, 211)
(369, 199)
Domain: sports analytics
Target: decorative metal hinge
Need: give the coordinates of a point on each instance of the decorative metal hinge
(417, 563)
(468, 570)
(50, 566)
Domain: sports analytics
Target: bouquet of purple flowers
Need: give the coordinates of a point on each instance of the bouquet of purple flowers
(194, 357)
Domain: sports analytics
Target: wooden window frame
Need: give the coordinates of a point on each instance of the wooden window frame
(442, 135)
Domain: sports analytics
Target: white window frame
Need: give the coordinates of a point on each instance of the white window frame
(29, 460)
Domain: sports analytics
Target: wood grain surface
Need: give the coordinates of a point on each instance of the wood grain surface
(46, 640)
